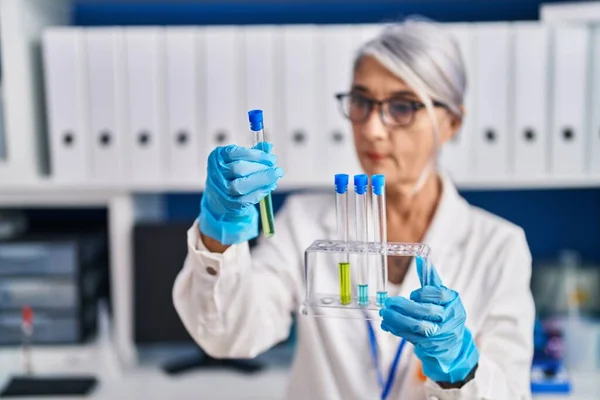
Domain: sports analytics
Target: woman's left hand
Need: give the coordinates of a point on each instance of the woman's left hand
(433, 320)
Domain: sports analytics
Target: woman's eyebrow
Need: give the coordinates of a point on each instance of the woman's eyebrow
(360, 88)
(404, 93)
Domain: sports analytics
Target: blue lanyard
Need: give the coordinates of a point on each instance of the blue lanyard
(387, 386)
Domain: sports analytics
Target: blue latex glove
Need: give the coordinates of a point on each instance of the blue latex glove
(433, 320)
(237, 179)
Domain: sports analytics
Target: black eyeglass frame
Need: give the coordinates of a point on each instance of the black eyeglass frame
(415, 105)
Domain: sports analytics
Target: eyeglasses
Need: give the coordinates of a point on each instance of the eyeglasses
(394, 112)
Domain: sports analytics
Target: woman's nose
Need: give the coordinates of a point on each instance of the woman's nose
(373, 127)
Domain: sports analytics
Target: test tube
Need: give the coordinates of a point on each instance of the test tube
(341, 210)
(380, 234)
(425, 270)
(361, 183)
(266, 204)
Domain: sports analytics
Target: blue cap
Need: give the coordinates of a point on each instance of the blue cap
(361, 181)
(256, 119)
(378, 183)
(341, 183)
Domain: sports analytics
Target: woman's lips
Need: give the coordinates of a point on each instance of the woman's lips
(376, 156)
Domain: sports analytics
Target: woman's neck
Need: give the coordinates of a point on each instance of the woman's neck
(408, 217)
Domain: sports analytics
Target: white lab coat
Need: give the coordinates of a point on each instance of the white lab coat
(247, 307)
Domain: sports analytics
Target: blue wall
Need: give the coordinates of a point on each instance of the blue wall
(553, 219)
(130, 12)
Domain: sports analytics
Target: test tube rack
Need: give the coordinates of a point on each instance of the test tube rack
(322, 299)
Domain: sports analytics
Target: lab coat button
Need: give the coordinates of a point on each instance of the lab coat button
(211, 271)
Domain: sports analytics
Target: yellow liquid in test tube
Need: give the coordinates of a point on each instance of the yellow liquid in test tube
(345, 284)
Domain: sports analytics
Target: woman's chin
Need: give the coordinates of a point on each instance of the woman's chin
(373, 168)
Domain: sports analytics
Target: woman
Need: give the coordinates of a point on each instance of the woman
(405, 101)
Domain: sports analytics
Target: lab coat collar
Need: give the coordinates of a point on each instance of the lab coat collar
(448, 228)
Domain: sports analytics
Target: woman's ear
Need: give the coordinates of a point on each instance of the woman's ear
(456, 122)
(450, 124)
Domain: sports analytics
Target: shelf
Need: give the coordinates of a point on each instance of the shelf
(47, 192)
(41, 194)
(580, 11)
(530, 183)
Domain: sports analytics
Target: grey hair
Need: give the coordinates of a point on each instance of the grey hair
(428, 59)
(425, 56)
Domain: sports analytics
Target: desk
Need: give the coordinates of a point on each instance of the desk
(148, 382)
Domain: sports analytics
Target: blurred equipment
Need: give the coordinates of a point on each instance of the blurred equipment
(58, 276)
(12, 224)
(567, 295)
(30, 385)
(548, 373)
(553, 283)
(27, 328)
(159, 252)
(50, 386)
(549, 377)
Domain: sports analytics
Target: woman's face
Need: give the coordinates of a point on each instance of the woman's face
(400, 153)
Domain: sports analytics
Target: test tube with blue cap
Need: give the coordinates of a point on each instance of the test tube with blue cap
(341, 210)
(361, 182)
(266, 204)
(380, 234)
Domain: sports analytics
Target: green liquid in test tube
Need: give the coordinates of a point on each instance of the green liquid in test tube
(341, 210)
(267, 218)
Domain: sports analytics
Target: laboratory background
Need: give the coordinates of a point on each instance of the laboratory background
(109, 109)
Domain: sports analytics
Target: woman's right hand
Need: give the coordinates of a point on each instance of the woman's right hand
(237, 179)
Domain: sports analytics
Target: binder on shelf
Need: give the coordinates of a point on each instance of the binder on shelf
(66, 102)
(531, 100)
(594, 127)
(301, 114)
(338, 51)
(262, 75)
(571, 55)
(226, 120)
(457, 156)
(2, 127)
(368, 32)
(183, 110)
(104, 49)
(492, 60)
(144, 66)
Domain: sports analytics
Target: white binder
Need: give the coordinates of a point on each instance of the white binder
(144, 60)
(66, 101)
(531, 100)
(594, 127)
(104, 49)
(225, 120)
(262, 76)
(456, 156)
(492, 60)
(367, 32)
(571, 57)
(337, 154)
(182, 106)
(302, 114)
